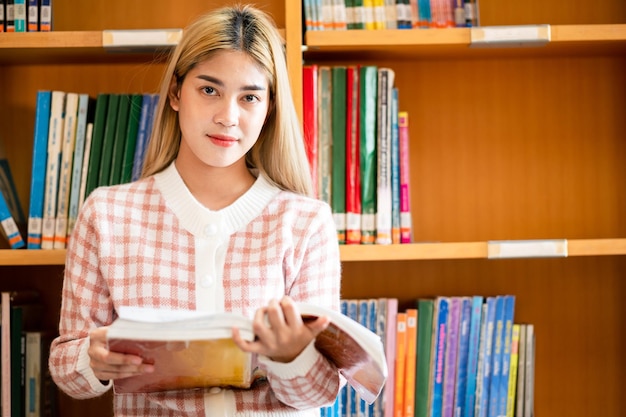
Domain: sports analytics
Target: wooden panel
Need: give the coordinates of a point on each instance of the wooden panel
(497, 12)
(140, 14)
(516, 148)
(576, 305)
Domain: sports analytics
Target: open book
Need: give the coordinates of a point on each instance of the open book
(192, 349)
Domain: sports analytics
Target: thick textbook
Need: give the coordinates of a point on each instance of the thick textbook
(191, 349)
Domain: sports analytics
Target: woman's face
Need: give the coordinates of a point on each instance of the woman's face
(222, 106)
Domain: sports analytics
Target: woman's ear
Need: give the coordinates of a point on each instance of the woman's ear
(172, 93)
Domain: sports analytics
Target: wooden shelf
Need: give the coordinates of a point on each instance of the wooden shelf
(65, 47)
(365, 253)
(408, 44)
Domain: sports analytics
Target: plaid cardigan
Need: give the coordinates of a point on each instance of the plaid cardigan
(152, 244)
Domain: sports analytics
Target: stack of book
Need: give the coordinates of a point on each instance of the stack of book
(447, 356)
(81, 143)
(25, 15)
(357, 140)
(389, 14)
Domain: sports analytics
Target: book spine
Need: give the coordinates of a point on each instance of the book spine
(425, 308)
(119, 142)
(372, 324)
(496, 367)
(132, 130)
(395, 169)
(33, 16)
(108, 143)
(338, 197)
(20, 15)
(425, 19)
(348, 308)
(65, 170)
(529, 377)
(472, 355)
(391, 14)
(339, 15)
(77, 163)
(509, 315)
(352, 408)
(441, 323)
(38, 169)
(45, 15)
(85, 165)
(359, 15)
(451, 353)
(383, 190)
(411, 359)
(400, 364)
(97, 137)
(513, 367)
(364, 319)
(55, 139)
(142, 136)
(486, 358)
(461, 372)
(9, 15)
(405, 175)
(353, 183)
(521, 372)
(2, 16)
(390, 353)
(325, 134)
(368, 81)
(9, 226)
(309, 122)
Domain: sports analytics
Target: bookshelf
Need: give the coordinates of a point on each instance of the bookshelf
(535, 151)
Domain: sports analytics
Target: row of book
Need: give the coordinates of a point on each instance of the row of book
(447, 356)
(80, 143)
(389, 14)
(25, 15)
(27, 388)
(357, 142)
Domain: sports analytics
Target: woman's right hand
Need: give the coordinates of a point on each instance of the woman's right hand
(108, 365)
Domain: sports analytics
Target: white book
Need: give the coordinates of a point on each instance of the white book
(77, 163)
(65, 170)
(383, 197)
(55, 133)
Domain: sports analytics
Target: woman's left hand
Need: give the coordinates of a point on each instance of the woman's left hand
(281, 334)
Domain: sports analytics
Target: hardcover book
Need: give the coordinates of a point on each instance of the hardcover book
(195, 349)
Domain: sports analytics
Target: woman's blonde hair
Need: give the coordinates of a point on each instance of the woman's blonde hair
(279, 152)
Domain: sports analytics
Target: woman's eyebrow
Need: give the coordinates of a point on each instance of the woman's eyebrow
(217, 81)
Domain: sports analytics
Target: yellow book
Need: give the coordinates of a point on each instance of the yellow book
(192, 349)
(510, 402)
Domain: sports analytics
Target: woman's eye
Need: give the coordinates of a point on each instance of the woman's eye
(250, 98)
(209, 90)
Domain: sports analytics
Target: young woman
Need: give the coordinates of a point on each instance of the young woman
(221, 221)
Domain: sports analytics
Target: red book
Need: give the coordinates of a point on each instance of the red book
(353, 180)
(309, 119)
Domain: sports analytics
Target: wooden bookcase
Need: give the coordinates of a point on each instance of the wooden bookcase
(506, 144)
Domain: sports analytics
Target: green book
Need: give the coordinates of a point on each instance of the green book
(110, 127)
(97, 137)
(132, 130)
(119, 142)
(368, 82)
(425, 309)
(338, 129)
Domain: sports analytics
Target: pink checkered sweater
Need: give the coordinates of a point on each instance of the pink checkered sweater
(151, 244)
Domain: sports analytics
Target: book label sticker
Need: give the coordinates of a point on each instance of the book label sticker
(547, 248)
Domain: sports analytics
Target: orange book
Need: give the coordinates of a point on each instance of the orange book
(401, 345)
(411, 358)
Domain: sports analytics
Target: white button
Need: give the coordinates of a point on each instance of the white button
(210, 229)
(215, 390)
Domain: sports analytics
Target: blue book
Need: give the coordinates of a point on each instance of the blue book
(472, 356)
(38, 169)
(8, 225)
(395, 169)
(509, 316)
(496, 360)
(441, 322)
(464, 342)
(424, 18)
(372, 324)
(45, 16)
(364, 317)
(148, 105)
(486, 358)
